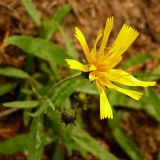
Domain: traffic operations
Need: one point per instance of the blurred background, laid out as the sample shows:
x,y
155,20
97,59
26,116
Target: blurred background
x,y
135,131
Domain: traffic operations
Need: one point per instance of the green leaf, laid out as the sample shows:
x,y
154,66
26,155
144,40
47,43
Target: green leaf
x,y
152,102
40,48
51,25
120,100
137,59
42,108
83,142
14,145
13,72
31,9
155,74
37,139
123,140
58,153
87,87
65,90
70,48
6,88
22,104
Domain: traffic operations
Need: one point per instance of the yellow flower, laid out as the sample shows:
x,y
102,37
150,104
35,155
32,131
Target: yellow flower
x,y
102,61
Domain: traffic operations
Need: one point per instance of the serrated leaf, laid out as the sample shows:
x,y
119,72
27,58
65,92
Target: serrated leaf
x,y
123,140
51,25
137,59
6,88
152,102
13,72
40,48
37,139
31,9
14,144
23,104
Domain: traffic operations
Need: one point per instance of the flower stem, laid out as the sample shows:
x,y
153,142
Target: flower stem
x,y
61,82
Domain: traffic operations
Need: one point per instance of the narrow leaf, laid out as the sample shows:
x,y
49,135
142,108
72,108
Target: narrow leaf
x,y
120,100
6,88
22,104
31,9
87,87
58,153
65,90
123,140
69,46
13,72
14,145
51,25
85,141
137,59
152,102
40,48
42,108
37,137
155,74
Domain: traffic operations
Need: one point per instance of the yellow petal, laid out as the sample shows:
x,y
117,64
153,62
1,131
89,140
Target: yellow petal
x,y
133,94
92,76
73,64
99,85
80,37
122,77
125,38
92,67
97,39
93,54
105,108
107,31
114,61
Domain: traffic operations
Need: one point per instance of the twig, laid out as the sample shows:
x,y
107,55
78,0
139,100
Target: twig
x,y
2,4
5,5
8,111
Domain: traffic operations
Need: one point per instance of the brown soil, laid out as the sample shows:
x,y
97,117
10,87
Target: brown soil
x,y
89,15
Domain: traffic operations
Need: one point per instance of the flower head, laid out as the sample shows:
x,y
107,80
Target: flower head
x,y
101,63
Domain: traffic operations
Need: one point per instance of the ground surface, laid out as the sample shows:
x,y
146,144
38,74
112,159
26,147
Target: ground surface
x,y
89,15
